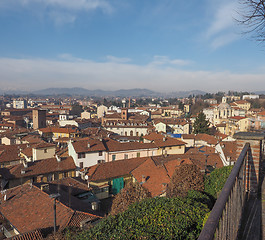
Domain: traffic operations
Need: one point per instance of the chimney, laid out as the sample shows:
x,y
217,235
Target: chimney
x,y
143,179
88,145
25,164
164,187
58,158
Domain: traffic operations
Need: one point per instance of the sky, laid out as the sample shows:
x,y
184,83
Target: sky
x,y
165,46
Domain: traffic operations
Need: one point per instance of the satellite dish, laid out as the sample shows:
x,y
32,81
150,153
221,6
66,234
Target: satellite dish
x,y
86,177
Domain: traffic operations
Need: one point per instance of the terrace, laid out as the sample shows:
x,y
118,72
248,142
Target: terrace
x,y
239,212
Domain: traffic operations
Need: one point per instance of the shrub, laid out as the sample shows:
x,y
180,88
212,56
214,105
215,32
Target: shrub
x,y
153,218
216,180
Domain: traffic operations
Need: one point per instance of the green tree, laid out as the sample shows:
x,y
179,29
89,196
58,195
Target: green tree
x,y
181,106
76,109
201,125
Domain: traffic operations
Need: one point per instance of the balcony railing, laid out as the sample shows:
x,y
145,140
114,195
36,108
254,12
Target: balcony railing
x,y
225,218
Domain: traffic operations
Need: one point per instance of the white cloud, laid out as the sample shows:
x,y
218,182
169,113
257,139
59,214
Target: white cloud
x,y
30,74
117,60
164,60
221,30
60,11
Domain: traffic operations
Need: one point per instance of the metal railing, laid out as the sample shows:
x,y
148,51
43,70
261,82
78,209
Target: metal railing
x,y
225,218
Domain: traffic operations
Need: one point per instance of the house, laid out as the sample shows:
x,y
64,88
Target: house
x,y
243,104
169,145
59,132
201,139
172,125
10,154
155,177
119,151
38,171
38,151
127,127
26,208
87,152
74,193
109,178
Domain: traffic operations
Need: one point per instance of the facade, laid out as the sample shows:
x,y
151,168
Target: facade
x,y
87,152
19,103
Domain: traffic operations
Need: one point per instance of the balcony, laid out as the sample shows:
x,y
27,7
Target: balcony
x,y
239,212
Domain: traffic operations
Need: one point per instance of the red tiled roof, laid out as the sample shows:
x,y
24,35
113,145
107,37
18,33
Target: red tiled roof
x,y
114,146
76,186
188,136
171,165
167,142
229,148
94,145
115,169
241,102
37,168
10,153
206,137
155,176
199,150
58,130
153,136
28,208
237,118
34,235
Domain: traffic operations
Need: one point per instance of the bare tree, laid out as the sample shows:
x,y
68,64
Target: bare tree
x,y
131,193
185,178
253,17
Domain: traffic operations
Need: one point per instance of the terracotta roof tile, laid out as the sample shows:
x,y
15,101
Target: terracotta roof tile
x,y
28,208
37,168
34,235
115,169
88,145
114,146
155,176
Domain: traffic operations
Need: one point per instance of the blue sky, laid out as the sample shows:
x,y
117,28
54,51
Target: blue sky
x,y
160,45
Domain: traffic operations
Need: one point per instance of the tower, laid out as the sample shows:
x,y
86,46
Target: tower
x,y
39,118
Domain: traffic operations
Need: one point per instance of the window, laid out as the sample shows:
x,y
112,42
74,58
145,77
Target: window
x,y
100,153
81,155
81,164
138,154
101,161
125,156
45,150
113,157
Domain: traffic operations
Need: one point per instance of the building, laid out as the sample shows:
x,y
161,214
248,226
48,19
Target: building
x,y
39,118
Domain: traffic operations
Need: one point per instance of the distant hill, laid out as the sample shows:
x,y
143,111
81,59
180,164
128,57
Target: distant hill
x,y
260,92
186,93
136,92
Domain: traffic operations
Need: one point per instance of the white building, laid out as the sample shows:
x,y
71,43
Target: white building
x,y
87,152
